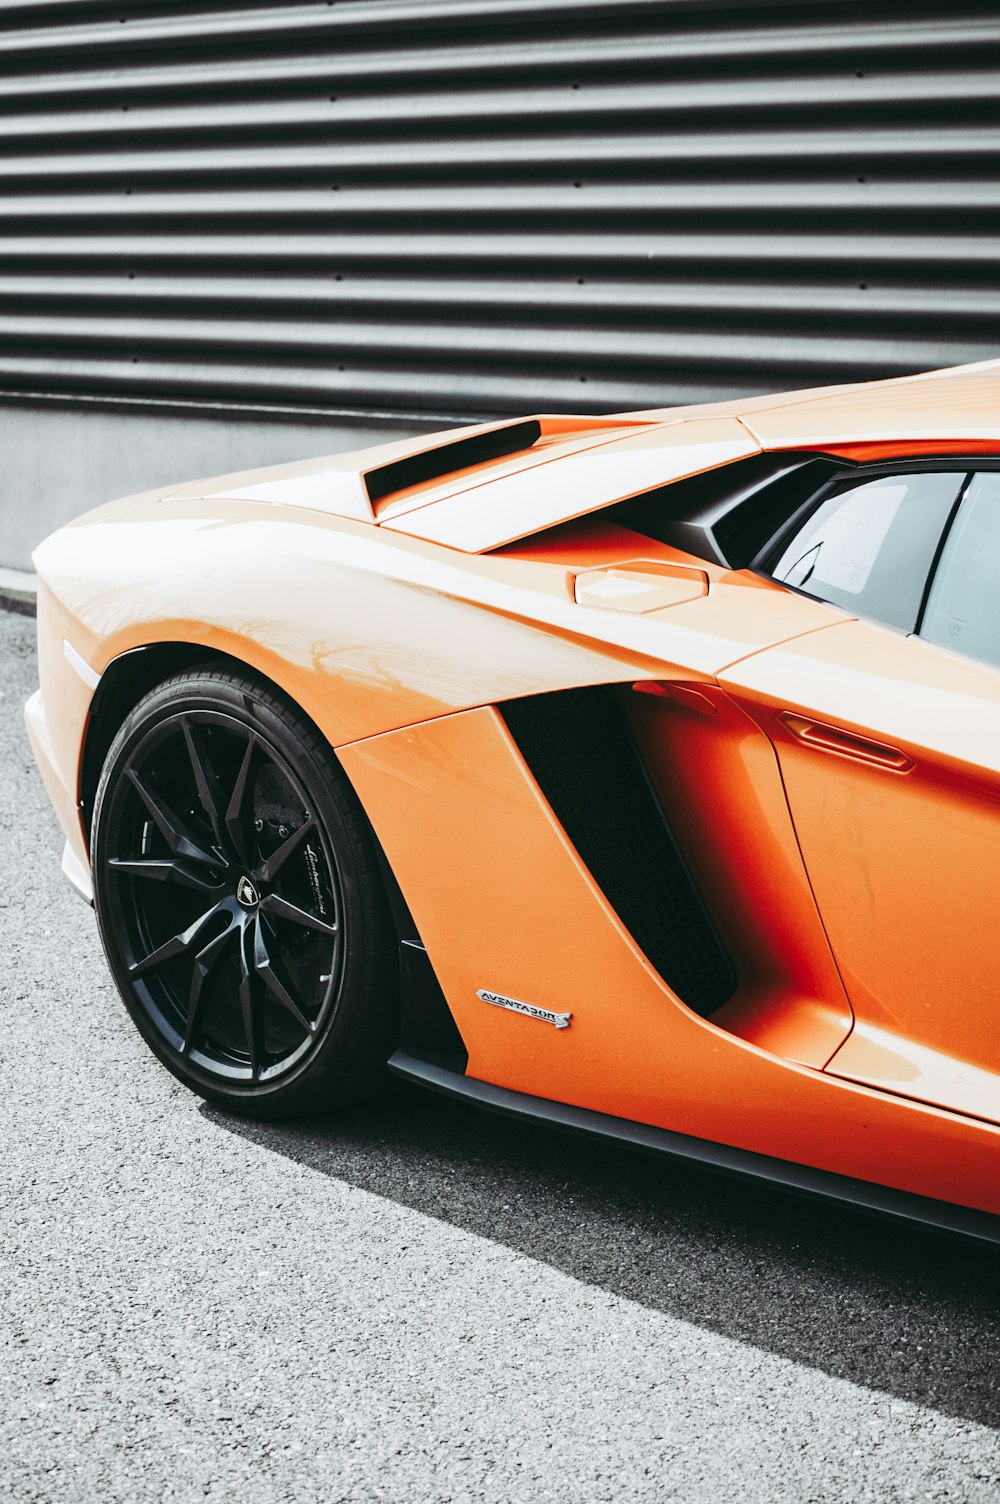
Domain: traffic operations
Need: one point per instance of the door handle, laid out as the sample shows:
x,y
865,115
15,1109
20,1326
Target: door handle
x,y
825,738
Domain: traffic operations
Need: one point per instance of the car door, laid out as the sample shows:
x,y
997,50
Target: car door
x,y
887,732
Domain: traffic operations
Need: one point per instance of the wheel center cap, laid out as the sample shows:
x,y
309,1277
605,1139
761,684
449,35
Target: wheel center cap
x,y
247,894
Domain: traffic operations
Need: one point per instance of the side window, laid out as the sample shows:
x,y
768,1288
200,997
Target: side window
x,y
963,607
870,546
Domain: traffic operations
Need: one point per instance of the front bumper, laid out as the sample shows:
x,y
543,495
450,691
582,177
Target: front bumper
x,y
75,862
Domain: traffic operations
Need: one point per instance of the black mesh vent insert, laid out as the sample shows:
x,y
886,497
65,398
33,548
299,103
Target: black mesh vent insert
x,y
581,752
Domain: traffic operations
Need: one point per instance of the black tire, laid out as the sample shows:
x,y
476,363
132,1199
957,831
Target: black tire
x,y
239,900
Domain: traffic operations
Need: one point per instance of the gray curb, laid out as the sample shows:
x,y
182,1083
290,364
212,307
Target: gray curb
x,y
18,591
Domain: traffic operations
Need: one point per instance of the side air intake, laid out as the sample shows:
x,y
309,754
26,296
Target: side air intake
x,y
494,443
581,753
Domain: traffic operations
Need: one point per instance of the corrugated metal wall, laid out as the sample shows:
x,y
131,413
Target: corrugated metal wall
x,y
468,207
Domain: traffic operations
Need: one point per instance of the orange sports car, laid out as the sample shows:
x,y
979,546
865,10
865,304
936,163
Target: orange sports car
x,y
638,775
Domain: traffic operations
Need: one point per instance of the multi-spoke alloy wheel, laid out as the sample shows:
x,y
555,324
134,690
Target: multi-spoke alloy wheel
x,y
238,898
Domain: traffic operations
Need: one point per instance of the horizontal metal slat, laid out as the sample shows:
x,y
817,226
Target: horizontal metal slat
x,y
534,158
452,343
513,206
203,26
781,249
423,393
549,301
586,54
486,110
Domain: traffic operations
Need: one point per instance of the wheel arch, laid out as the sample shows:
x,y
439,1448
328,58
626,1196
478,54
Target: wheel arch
x,y
131,676
123,684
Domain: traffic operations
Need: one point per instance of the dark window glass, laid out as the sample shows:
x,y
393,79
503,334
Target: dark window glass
x,y
963,607
870,546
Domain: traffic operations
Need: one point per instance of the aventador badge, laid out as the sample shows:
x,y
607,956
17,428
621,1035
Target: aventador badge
x,y
561,1020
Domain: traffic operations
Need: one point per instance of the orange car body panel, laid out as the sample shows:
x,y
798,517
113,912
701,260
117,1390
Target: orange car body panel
x,y
902,849
506,904
399,623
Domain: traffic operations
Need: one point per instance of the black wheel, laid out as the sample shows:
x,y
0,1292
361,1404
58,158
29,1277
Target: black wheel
x,y
239,899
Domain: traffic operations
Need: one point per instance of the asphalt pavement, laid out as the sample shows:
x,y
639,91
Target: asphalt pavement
x,y
419,1302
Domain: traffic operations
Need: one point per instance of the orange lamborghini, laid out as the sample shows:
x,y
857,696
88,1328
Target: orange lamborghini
x,y
638,775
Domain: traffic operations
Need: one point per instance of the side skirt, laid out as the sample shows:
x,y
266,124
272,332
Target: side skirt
x,y
937,1216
